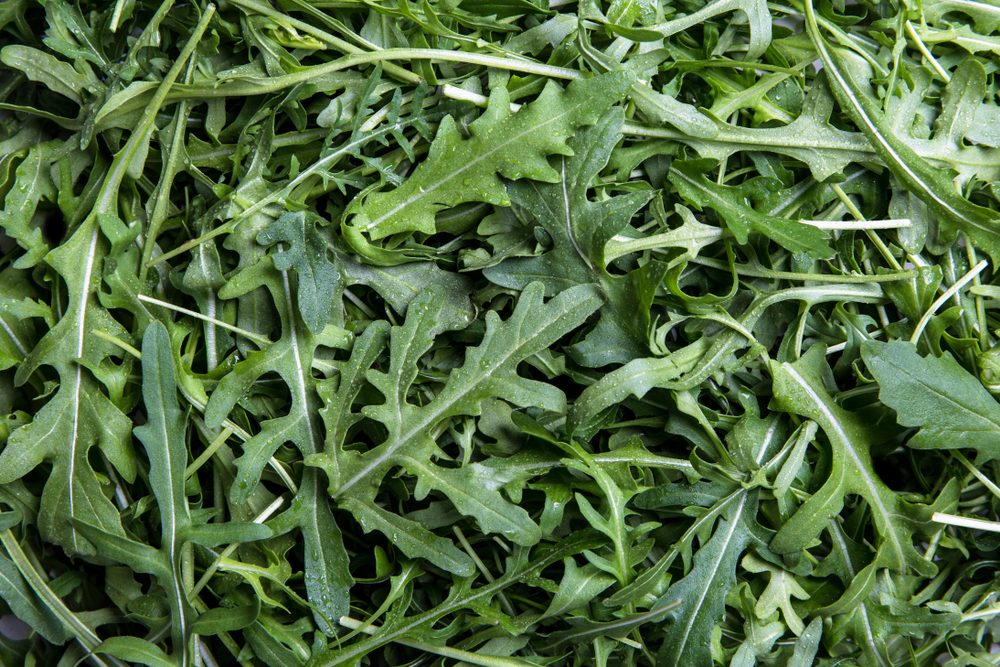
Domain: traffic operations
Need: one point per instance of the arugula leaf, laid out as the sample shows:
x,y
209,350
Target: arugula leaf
x,y
699,599
799,389
929,184
741,218
605,359
489,370
501,143
948,404
307,255
580,230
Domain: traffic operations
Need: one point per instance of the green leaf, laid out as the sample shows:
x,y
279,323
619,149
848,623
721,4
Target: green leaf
x,y
135,650
489,371
57,75
731,205
226,619
756,12
410,537
698,599
163,438
473,496
501,144
306,255
291,357
33,183
781,588
80,414
931,185
20,600
799,388
578,587
580,229
948,404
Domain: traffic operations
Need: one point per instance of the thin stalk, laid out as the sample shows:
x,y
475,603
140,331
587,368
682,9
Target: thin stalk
x,y
444,651
257,338
966,522
760,272
951,291
83,633
225,553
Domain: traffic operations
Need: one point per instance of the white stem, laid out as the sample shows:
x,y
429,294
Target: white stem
x,y
948,293
966,522
257,338
850,225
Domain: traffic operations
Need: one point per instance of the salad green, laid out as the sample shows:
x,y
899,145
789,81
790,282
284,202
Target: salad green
x,y
499,332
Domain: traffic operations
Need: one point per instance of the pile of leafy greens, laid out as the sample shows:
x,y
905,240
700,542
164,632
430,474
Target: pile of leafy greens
x,y
499,332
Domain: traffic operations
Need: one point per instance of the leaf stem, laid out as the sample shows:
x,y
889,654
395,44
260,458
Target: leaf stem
x,y
948,293
257,338
761,272
225,553
966,522
443,651
986,481
104,335
859,224
213,447
87,638
935,65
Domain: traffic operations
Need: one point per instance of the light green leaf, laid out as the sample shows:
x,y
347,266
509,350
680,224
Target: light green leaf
x,y
226,619
489,371
948,404
135,650
291,357
501,144
782,586
799,388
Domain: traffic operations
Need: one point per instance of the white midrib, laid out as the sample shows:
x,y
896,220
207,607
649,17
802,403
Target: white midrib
x,y
300,385
433,415
834,426
81,325
485,155
211,353
13,337
568,215
835,533
169,519
772,431
715,566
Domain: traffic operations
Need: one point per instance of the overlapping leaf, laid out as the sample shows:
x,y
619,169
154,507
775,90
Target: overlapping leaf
x,y
580,229
799,389
502,143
